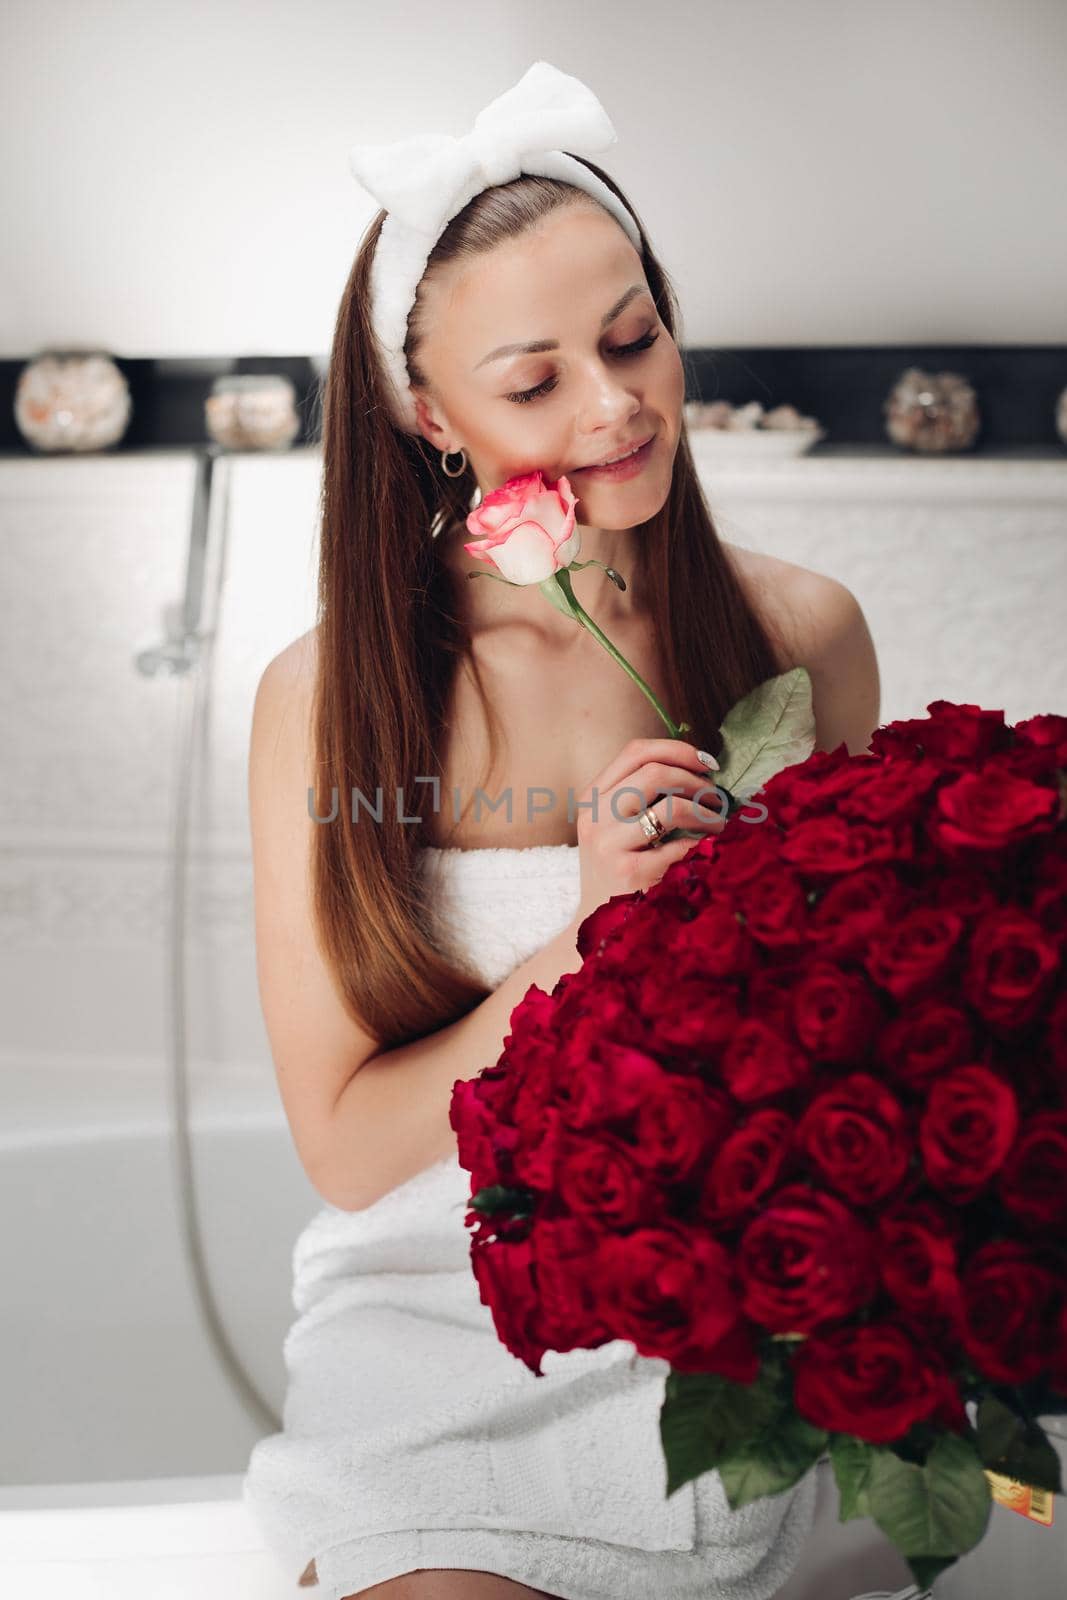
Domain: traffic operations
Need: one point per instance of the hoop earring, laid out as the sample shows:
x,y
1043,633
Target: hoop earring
x,y
444,463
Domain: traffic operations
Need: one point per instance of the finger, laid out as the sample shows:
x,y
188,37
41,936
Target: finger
x,y
678,753
689,814
649,786
674,850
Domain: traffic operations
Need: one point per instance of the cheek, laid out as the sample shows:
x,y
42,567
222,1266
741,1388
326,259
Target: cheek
x,y
672,372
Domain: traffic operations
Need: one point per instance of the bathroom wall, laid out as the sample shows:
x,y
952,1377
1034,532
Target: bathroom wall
x,y
829,172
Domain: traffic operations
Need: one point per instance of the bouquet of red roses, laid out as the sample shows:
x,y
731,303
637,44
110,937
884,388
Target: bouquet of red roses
x,y
798,1125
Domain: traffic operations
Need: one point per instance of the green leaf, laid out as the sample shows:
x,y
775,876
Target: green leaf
x,y
496,1198
851,1461
940,1508
772,1461
773,727
1016,1447
705,1417
748,1432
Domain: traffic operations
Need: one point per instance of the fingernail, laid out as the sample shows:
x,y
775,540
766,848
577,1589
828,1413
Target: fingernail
x,y
707,760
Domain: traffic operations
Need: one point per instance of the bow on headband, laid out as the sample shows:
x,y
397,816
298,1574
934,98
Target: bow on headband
x,y
424,181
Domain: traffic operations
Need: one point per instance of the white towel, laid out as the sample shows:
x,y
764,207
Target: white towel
x,y
405,1412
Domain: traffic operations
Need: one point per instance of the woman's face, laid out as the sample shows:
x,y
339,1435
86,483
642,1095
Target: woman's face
x,y
588,398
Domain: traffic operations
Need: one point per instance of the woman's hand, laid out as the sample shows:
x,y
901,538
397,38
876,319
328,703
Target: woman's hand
x,y
614,854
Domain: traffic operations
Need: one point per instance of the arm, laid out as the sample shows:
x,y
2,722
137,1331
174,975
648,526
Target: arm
x,y
391,1118
362,1119
316,1045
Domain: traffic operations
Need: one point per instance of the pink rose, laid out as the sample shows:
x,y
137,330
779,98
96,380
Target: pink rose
x,y
526,529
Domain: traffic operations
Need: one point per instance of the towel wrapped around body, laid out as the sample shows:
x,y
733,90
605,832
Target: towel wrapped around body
x,y
411,1437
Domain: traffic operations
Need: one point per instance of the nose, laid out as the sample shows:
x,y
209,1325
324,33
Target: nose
x,y
608,400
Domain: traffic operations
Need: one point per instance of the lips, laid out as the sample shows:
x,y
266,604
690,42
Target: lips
x,y
623,450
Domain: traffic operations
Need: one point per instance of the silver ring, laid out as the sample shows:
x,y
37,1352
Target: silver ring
x,y
651,824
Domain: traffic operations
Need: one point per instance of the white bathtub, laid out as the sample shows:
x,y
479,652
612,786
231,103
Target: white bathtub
x,y
122,1444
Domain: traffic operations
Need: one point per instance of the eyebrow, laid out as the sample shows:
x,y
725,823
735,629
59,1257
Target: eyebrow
x,y
553,344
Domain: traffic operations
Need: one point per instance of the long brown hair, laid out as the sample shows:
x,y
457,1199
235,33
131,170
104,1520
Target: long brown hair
x,y
390,640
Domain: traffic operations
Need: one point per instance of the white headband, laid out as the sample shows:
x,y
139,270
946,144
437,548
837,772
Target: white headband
x,y
422,182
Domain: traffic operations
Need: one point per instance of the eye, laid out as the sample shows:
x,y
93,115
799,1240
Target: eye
x,y
634,349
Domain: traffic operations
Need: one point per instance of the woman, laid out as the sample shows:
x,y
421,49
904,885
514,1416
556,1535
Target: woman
x,y
418,1457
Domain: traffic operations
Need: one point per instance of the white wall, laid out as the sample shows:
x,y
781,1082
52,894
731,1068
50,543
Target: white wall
x,y
174,179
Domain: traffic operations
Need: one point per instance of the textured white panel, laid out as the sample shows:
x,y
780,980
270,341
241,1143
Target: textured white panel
x,y
960,566
91,550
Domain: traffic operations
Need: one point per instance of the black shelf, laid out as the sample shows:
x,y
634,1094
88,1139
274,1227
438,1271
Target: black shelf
x,y
843,387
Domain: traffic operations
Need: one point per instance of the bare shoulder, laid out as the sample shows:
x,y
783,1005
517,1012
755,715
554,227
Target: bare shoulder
x,y
297,662
795,603
803,609
816,622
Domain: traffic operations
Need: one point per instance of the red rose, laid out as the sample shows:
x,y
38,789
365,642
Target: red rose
x,y
962,888
1033,1179
605,1084
1045,732
680,895
713,945
746,1166
760,1061
673,1295
853,909
774,909
893,792
804,1260
741,854
875,1381
1050,902
919,1265
1011,968
968,1127
856,1135
1038,763
834,1013
603,925
1057,1034
586,1013
474,1123
924,1041
770,995
1011,1301
697,1018
504,1274
915,952
960,733
562,1297
990,811
534,1069
822,847
534,1150
677,1123
601,1178
816,785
